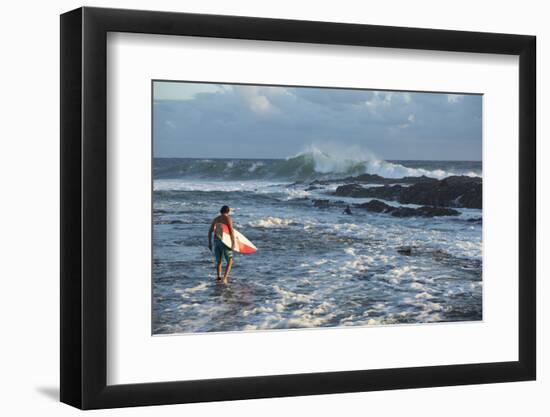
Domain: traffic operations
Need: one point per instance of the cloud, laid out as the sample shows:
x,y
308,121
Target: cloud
x,y
379,99
167,90
255,98
273,122
331,96
454,98
410,119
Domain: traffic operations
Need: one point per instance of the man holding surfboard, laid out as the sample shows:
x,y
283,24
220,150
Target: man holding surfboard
x,y
221,251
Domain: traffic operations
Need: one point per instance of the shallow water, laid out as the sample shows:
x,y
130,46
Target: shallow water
x,y
314,267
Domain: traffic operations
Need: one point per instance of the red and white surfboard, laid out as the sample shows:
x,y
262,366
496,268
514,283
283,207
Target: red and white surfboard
x,y
242,244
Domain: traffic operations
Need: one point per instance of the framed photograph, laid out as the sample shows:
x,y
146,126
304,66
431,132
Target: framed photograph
x,y
257,208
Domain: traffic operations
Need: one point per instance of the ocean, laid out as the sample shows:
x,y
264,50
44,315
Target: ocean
x,y
315,266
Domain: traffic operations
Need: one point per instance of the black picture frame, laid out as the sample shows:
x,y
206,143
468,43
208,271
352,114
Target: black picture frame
x,y
84,207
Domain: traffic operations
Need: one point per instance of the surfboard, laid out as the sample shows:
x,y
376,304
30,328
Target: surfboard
x,y
242,244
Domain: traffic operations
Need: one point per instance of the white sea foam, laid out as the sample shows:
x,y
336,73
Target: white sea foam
x,y
290,296
202,286
257,310
255,166
323,308
346,270
423,295
295,193
272,222
227,186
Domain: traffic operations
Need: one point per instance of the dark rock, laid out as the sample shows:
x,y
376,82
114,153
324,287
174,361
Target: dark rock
x,y
405,250
169,222
424,211
456,191
468,265
375,179
348,190
369,178
352,190
450,192
417,180
321,203
347,210
378,206
405,212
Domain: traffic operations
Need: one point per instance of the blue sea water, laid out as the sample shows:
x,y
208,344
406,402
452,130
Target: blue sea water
x,y
314,267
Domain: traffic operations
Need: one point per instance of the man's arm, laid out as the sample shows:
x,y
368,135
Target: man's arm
x,y
210,234
231,232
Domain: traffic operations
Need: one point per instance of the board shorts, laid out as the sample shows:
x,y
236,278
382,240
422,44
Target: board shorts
x,y
221,251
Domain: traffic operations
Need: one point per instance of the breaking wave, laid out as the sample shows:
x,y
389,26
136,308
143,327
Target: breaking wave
x,y
312,164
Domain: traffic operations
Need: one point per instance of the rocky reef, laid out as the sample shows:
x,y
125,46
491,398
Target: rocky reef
x,y
378,206
454,191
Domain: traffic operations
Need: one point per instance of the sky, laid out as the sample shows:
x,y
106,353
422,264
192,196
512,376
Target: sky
x,y
199,120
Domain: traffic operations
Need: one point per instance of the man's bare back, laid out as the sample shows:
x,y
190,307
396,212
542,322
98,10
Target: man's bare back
x,y
225,219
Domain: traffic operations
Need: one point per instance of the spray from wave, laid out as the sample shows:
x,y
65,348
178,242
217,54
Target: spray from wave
x,y
356,161
312,163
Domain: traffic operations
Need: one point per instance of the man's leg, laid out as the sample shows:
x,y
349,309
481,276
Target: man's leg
x,y
218,254
219,269
227,270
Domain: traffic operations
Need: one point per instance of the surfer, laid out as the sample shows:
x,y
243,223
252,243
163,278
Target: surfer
x,y
347,210
221,251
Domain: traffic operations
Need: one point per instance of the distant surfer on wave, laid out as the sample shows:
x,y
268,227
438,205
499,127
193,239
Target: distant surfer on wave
x,y
221,251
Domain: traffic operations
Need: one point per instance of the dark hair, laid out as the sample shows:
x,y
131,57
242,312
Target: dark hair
x,y
224,210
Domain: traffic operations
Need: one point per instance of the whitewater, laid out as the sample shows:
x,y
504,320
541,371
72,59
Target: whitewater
x,y
314,267
314,164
